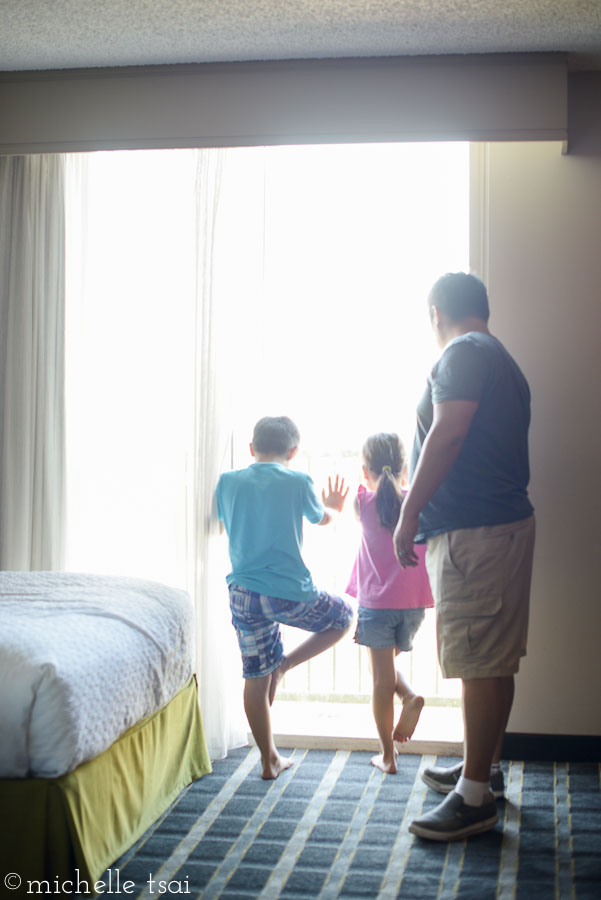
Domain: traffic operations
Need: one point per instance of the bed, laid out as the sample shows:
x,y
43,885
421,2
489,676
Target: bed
x,y
99,722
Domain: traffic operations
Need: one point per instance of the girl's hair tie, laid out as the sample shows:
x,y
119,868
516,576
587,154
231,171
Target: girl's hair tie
x,y
386,469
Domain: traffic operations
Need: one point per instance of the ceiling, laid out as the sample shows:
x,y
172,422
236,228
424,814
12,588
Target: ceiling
x,y
63,34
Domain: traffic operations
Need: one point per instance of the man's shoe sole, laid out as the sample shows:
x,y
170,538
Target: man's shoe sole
x,y
433,835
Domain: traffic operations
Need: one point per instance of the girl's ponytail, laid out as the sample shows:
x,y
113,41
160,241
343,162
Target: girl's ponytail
x,y
388,500
384,455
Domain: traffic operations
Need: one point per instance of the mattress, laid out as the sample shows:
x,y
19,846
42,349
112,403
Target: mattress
x,y
82,659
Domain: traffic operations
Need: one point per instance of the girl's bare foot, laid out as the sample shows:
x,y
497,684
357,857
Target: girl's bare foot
x,y
276,677
388,767
274,767
410,713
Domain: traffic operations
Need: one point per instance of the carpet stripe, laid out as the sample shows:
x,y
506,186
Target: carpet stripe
x,y
251,830
450,876
348,847
204,822
393,877
294,848
510,847
564,864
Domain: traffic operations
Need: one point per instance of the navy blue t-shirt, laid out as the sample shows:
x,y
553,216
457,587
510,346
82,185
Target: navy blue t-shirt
x,y
488,483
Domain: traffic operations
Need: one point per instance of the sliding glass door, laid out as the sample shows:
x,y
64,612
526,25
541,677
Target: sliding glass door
x,y
321,267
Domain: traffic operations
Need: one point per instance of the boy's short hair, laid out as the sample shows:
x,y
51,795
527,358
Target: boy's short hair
x,y
275,434
460,296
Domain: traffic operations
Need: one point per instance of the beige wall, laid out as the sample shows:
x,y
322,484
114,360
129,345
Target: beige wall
x,y
543,247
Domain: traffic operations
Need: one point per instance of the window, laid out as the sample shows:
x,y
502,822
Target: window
x,y
325,258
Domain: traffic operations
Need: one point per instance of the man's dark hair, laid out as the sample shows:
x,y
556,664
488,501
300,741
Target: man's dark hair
x,y
460,296
275,434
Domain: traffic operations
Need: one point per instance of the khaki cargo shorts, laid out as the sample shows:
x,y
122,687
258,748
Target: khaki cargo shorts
x,y
480,579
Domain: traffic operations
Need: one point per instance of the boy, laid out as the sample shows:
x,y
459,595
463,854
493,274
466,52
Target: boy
x,y
262,509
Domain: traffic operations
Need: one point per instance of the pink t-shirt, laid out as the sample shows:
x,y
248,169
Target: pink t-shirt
x,y
377,579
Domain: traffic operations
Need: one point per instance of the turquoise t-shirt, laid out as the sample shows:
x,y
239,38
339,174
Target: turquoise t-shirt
x,y
262,508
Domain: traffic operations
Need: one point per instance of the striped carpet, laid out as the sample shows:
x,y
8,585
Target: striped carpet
x,y
334,826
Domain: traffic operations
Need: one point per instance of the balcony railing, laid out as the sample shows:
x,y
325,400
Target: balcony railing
x,y
342,674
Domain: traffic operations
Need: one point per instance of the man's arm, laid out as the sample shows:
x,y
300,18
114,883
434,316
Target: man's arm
x,y
450,425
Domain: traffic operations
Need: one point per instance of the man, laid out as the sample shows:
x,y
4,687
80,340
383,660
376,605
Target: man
x,y
468,500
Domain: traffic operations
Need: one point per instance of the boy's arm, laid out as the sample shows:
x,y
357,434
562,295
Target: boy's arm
x,y
333,500
216,508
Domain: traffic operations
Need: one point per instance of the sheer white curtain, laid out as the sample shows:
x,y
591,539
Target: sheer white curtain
x,y
130,294
147,391
218,661
32,449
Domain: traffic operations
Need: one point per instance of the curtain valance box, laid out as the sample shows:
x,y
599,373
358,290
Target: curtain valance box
x,y
507,97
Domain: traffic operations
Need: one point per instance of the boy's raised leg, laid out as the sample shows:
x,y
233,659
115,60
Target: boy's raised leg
x,y
256,706
315,644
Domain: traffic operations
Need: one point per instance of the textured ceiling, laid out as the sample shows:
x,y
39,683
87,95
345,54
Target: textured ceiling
x,y
54,34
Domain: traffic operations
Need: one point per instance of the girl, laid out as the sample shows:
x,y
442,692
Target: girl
x,y
392,600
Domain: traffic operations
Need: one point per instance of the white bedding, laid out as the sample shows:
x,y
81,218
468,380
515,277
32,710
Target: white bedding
x,y
83,658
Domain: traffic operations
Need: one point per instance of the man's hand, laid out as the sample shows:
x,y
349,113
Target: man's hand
x,y
403,538
450,424
336,495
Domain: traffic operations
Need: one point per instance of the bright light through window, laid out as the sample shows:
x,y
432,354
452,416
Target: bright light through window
x,y
325,260
354,238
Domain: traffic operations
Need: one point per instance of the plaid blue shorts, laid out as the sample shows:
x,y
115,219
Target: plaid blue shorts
x,y
257,619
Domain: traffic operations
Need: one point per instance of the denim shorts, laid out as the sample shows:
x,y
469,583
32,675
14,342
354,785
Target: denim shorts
x,y
257,619
383,628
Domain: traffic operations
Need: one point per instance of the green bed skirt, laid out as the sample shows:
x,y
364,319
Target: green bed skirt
x,y
50,828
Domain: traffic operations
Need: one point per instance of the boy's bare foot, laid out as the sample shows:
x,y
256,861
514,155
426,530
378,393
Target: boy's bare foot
x,y
276,677
379,763
274,767
410,713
